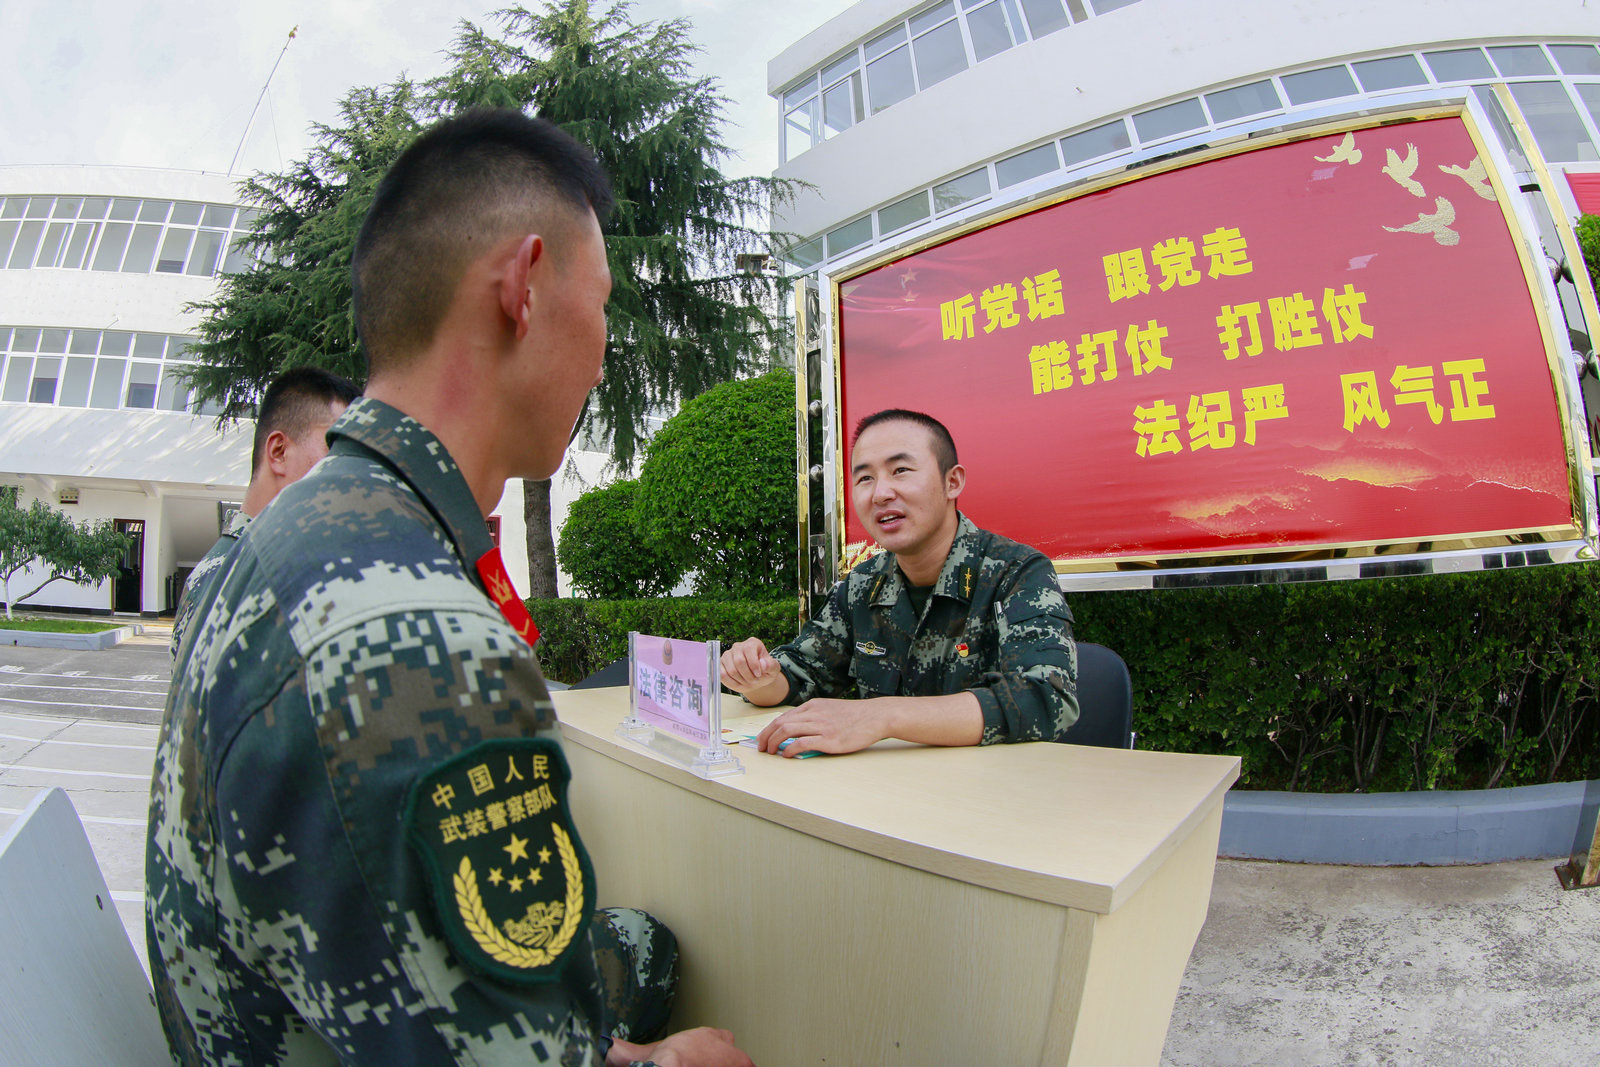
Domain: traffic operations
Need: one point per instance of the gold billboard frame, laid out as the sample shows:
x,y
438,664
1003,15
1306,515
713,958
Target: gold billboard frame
x,y
1580,470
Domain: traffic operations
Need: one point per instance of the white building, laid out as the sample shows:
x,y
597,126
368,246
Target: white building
x,y
97,265
902,115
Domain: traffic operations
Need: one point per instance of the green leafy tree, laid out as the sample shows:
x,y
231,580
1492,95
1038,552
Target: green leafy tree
x,y
683,316
607,554
718,488
1589,241
87,553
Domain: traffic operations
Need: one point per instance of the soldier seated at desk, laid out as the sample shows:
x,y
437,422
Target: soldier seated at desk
x,y
952,636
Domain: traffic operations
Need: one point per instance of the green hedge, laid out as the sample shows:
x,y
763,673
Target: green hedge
x,y
1436,682
578,637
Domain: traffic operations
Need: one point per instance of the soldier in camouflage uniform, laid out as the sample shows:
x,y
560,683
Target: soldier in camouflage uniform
x,y
360,849
953,636
292,423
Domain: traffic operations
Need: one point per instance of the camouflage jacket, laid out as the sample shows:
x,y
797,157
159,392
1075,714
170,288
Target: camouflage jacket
x,y
344,654
204,571
995,625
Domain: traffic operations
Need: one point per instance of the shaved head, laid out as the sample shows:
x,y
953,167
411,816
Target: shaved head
x,y
465,185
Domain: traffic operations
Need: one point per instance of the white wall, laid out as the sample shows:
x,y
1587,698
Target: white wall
x,y
1152,52
93,504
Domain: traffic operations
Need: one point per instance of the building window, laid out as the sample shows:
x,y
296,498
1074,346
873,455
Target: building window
x,y
1310,86
1554,121
1226,105
69,233
850,235
889,78
1094,143
1046,16
903,213
1394,72
842,102
1024,165
962,190
1101,7
1170,120
937,42
1520,60
1458,64
1576,58
46,372
75,382
994,27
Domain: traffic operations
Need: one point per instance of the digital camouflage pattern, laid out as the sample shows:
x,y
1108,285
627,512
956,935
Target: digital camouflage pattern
x,y
204,571
342,653
995,625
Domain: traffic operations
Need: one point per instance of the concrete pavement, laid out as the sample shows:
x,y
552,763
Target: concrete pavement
x,y
1298,965
87,722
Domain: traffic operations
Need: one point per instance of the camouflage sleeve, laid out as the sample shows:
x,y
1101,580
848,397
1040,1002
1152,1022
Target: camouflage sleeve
x,y
1032,692
329,903
817,661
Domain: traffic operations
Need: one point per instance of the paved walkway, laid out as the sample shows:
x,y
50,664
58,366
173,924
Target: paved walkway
x,y
1297,966
87,722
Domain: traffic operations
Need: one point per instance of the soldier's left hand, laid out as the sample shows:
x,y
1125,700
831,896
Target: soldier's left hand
x,y
826,725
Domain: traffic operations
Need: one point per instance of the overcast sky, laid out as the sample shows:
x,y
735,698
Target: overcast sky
x,y
170,83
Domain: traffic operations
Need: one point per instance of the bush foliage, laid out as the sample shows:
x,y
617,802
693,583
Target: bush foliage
x,y
581,636
605,552
1437,682
718,488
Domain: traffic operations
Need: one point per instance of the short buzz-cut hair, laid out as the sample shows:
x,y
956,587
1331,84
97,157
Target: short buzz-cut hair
x,y
467,182
944,446
296,401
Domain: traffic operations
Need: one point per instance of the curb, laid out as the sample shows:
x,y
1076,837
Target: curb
x,y
1403,829
78,642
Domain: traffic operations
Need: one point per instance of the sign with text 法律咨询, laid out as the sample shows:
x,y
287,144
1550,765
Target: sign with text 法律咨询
x,y
1324,343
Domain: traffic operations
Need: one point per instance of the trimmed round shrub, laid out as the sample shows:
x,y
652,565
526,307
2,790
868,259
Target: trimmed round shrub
x,y
718,489
606,554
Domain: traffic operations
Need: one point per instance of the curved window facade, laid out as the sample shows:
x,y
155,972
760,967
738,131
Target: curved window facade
x,y
124,234
78,368
918,52
1556,85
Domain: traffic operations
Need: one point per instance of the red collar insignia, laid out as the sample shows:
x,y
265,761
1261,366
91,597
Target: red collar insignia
x,y
492,569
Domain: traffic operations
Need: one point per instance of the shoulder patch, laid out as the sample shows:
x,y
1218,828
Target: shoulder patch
x,y
511,882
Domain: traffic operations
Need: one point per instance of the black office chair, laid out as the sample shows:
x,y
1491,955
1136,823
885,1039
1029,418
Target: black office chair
x,y
1105,700
613,673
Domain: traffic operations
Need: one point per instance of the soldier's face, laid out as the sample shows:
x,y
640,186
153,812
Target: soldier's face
x,y
897,490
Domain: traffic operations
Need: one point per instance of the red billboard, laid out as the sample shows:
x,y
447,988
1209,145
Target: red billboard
x,y
1323,343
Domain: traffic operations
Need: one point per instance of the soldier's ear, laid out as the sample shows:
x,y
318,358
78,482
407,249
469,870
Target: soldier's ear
x,y
275,454
514,294
955,480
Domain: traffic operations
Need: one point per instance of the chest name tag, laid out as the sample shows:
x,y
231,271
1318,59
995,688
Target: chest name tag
x,y
871,648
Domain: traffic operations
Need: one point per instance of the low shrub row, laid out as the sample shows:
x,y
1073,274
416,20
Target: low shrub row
x,y
1435,682
581,636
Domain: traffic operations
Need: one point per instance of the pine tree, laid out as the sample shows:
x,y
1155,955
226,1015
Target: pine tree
x,y
683,315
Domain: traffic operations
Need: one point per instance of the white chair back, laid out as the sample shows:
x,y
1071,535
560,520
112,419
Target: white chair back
x,y
72,991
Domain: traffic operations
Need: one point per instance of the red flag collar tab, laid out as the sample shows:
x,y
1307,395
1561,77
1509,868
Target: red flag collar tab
x,y
492,569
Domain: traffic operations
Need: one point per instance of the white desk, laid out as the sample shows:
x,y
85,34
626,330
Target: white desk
x,y
1016,904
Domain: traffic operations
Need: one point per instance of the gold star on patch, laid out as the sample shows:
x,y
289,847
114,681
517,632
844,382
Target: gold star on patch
x,y
495,877
518,849
515,884
534,875
544,856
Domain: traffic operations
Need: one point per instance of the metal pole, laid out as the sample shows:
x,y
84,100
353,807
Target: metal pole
x,y
261,96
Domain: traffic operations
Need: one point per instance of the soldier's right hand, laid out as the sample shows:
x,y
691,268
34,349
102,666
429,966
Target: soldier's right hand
x,y
704,1046
748,665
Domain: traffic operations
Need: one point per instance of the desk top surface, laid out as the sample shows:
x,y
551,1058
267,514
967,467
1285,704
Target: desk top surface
x,y
1070,825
